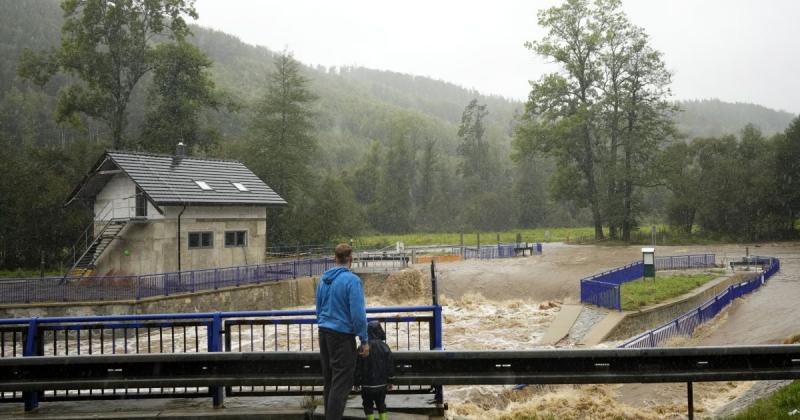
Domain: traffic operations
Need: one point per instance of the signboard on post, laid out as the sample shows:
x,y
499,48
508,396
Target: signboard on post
x,y
649,260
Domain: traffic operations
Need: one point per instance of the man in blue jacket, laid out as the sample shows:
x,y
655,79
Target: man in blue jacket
x,y
341,316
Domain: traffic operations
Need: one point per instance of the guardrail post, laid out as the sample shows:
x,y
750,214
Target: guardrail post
x,y
215,345
690,400
31,398
436,344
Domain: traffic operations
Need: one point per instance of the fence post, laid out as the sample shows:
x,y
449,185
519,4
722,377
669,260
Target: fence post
x,y
138,287
652,339
214,345
238,276
436,344
31,398
191,276
309,267
216,278
166,282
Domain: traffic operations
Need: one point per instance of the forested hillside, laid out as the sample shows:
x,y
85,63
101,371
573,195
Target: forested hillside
x,y
385,151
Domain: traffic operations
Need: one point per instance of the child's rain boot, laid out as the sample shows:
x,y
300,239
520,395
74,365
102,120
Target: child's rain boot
x,y
370,417
383,416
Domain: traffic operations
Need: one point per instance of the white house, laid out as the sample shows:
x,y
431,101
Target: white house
x,y
160,213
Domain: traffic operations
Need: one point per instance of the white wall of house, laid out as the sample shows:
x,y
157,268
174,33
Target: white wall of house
x,y
120,192
116,200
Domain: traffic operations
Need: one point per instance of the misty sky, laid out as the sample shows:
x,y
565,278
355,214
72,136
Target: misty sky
x,y
734,50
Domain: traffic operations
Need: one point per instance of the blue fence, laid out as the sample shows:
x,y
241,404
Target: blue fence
x,y
412,328
603,289
685,324
57,289
500,251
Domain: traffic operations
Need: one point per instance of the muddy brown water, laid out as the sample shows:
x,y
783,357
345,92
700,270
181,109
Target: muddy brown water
x,y
494,305
763,317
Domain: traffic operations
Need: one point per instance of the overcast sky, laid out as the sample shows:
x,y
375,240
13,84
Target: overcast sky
x,y
734,50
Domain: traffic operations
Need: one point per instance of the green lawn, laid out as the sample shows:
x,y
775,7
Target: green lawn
x,y
776,406
640,293
470,238
575,235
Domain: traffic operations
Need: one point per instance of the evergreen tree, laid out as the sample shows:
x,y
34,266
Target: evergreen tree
x,y
181,89
282,139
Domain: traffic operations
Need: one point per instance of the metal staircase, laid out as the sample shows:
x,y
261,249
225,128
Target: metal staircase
x,y
96,238
84,266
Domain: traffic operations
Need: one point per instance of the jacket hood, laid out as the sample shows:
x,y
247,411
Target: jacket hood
x,y
331,274
375,331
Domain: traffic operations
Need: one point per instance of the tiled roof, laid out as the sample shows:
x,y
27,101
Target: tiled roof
x,y
169,180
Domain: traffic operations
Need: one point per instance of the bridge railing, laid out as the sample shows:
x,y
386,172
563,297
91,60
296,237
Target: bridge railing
x,y
413,328
96,288
685,324
603,289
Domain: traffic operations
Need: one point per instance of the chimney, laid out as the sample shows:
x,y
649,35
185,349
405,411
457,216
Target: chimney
x,y
180,151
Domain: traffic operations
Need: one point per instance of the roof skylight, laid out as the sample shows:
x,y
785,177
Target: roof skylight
x,y
203,185
239,186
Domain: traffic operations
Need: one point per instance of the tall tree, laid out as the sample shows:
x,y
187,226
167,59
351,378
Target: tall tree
x,y
181,89
108,46
394,192
282,139
473,148
787,170
603,116
566,103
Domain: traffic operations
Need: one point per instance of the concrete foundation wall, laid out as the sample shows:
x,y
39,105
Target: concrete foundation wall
x,y
633,323
152,246
266,296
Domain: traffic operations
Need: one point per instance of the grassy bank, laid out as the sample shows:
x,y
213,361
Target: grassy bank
x,y
779,405
640,293
471,238
574,235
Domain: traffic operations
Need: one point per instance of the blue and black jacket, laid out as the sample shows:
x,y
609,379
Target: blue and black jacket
x,y
377,369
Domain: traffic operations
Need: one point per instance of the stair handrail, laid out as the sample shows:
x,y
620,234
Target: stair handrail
x,y
102,216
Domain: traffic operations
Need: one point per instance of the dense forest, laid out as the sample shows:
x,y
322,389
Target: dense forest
x,y
356,150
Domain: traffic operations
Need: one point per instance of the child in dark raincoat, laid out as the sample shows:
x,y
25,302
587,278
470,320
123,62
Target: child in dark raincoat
x,y
374,373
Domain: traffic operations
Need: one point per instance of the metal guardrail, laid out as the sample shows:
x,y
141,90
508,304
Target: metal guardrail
x,y
603,289
209,370
685,324
94,288
407,328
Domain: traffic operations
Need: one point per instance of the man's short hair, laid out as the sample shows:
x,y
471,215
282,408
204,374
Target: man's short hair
x,y
343,252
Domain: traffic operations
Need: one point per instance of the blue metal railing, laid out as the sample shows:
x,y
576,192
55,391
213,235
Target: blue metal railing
x,y
497,251
685,324
407,328
603,289
76,289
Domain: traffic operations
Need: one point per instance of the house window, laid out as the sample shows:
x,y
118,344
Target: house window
x,y
203,185
239,186
236,238
140,203
201,240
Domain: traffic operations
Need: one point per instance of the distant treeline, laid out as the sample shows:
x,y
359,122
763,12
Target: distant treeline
x,y
353,150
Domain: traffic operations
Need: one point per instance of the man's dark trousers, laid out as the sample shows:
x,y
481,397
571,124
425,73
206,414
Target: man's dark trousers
x,y
338,353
